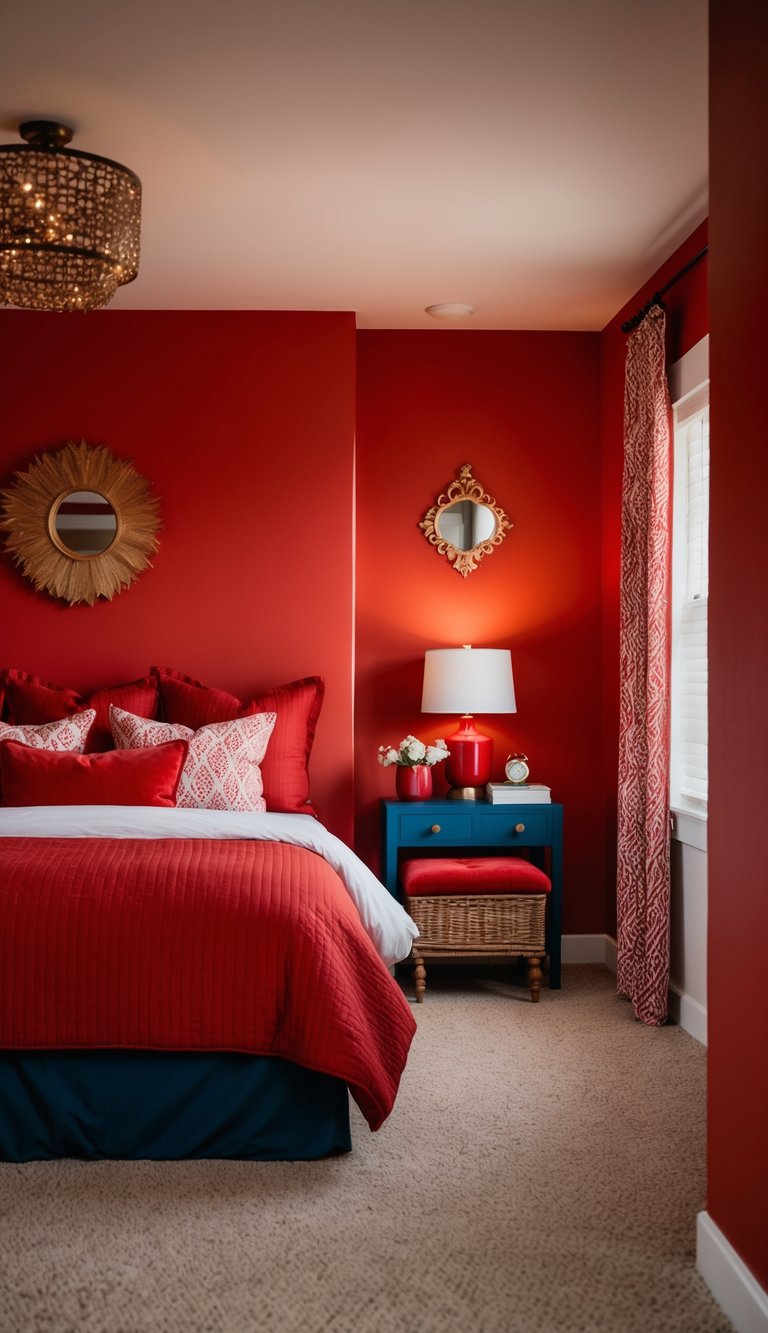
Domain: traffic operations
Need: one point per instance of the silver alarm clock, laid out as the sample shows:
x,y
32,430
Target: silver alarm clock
x,y
516,769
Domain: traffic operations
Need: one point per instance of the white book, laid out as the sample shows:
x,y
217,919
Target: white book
x,y
529,793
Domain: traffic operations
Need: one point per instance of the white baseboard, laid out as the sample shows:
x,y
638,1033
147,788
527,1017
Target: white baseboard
x,y
610,953
686,1011
734,1288
583,948
683,1009
589,949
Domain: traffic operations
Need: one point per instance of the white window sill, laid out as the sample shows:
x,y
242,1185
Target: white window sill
x,y
690,827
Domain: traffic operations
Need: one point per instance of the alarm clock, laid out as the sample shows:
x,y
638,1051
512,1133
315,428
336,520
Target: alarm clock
x,y
516,769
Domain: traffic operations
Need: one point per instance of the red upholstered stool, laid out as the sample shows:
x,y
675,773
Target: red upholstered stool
x,y
466,907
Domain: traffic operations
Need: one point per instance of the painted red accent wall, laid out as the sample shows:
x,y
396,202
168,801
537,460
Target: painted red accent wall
x,y
522,408
244,424
738,644
687,324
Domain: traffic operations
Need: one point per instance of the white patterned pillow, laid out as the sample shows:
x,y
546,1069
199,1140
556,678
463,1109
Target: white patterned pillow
x,y
69,733
221,770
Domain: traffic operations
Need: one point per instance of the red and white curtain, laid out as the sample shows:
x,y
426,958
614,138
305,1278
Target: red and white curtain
x,y
643,808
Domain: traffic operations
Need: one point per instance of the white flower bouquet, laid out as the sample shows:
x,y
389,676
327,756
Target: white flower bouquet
x,y
411,752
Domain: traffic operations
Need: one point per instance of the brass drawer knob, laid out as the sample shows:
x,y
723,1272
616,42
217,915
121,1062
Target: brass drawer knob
x,y
519,828
435,828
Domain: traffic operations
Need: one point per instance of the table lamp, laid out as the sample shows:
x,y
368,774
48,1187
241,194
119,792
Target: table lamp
x,y
468,680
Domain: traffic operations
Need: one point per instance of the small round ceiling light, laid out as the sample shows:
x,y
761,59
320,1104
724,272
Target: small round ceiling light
x,y
69,222
451,310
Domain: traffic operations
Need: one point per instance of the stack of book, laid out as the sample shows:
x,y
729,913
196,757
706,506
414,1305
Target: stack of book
x,y
518,793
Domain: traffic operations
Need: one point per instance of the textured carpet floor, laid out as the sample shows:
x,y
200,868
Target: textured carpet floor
x,y
542,1171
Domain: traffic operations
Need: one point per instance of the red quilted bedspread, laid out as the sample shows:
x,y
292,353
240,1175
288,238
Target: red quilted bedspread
x,y
191,944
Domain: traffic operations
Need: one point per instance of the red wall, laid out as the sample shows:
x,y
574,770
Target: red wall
x,y
244,424
738,645
522,408
687,324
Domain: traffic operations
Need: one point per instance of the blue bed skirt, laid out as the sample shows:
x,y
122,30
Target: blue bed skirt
x,y
167,1105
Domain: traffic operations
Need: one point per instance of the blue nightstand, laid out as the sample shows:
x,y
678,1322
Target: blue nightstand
x,y
424,826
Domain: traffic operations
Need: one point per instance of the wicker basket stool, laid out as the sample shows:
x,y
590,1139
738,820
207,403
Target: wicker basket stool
x,y
467,907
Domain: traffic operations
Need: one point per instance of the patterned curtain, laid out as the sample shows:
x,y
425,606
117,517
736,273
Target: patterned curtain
x,y
643,832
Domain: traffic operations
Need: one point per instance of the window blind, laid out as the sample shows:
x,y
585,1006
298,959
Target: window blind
x,y
689,598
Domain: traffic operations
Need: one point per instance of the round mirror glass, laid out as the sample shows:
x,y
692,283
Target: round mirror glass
x,y
465,524
85,523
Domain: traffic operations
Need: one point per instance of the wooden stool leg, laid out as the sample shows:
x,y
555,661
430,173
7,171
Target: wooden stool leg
x,y
419,977
534,977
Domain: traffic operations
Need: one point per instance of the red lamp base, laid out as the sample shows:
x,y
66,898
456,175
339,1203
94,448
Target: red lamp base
x,y
470,763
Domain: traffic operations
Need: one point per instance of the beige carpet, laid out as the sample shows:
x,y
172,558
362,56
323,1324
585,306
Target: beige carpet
x,y
542,1171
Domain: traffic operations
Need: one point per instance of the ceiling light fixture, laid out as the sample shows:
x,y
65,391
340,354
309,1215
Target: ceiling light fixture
x,y
69,222
450,310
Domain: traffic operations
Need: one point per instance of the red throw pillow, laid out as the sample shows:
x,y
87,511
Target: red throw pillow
x,y
284,766
119,777
29,699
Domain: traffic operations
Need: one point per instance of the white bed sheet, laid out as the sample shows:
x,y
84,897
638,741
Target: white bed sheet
x,y
386,923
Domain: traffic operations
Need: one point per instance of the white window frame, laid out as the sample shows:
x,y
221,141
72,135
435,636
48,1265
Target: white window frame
x,y
689,389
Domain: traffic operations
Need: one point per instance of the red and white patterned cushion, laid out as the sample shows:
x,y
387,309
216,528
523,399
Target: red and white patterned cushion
x,y
221,771
68,733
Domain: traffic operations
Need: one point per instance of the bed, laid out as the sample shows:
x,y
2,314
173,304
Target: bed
x,y
179,981
137,942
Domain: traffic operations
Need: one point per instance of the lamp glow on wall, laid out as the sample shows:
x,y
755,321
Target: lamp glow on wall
x,y
69,222
468,680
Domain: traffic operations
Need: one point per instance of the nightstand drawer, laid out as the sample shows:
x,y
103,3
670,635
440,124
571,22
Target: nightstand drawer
x,y
435,828
526,825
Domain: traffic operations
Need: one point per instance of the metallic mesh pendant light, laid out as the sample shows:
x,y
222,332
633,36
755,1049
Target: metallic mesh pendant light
x,y
69,223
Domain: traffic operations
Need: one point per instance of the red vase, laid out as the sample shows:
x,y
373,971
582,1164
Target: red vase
x,y
413,784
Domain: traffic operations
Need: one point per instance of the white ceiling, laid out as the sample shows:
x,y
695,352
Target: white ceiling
x,y
534,158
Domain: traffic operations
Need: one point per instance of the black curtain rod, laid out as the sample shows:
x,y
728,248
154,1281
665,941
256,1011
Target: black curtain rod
x,y
656,299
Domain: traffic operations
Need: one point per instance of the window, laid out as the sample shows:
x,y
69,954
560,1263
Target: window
x,y
690,586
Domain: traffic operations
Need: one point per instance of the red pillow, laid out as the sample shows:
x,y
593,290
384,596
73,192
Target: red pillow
x,y
29,699
284,766
119,777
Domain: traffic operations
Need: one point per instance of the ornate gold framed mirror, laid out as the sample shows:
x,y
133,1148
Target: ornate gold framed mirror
x,y
466,523
81,523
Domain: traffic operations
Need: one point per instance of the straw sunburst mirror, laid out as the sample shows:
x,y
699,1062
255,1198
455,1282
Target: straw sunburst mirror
x,y
81,523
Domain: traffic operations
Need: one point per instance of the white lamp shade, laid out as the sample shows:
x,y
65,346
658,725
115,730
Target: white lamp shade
x,y
468,680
